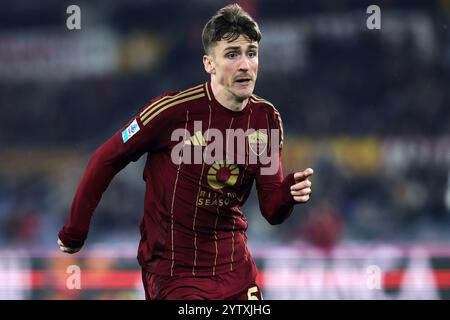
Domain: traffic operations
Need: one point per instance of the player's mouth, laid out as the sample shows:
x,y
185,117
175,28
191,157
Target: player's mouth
x,y
243,81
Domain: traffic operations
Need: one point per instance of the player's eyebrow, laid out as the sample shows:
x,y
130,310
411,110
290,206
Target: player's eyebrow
x,y
252,46
232,48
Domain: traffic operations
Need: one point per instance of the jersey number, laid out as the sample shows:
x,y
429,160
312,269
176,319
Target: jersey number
x,y
251,293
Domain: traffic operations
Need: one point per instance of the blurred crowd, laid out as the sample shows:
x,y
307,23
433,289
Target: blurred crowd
x,y
329,76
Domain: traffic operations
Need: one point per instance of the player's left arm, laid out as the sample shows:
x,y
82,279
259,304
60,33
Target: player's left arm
x,y
278,194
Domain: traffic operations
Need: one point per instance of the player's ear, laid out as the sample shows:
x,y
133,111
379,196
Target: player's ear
x,y
208,63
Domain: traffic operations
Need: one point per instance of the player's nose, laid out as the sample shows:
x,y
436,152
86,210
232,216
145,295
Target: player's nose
x,y
244,64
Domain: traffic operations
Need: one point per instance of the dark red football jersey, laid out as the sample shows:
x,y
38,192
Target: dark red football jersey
x,y
193,223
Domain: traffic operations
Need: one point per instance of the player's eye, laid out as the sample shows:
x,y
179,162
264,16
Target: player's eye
x,y
231,55
252,54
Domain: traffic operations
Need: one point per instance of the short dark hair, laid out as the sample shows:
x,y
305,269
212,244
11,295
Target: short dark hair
x,y
228,24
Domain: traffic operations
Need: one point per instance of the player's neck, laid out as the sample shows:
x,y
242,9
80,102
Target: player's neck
x,y
226,99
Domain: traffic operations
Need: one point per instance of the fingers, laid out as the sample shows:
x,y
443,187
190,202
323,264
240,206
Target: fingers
x,y
301,185
69,250
302,199
302,192
65,249
300,176
302,195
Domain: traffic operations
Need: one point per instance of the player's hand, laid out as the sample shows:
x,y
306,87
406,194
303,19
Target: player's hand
x,y
65,249
301,190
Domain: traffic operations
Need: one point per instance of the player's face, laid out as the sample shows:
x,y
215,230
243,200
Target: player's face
x,y
235,66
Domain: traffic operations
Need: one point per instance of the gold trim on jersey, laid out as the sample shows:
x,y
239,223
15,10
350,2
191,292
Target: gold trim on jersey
x,y
174,102
259,99
207,91
162,104
234,218
232,245
255,99
173,202
169,97
196,202
147,108
245,168
215,241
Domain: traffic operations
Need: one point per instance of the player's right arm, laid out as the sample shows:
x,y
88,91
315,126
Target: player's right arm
x,y
128,144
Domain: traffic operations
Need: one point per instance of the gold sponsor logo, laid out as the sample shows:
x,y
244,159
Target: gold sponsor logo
x,y
222,174
216,199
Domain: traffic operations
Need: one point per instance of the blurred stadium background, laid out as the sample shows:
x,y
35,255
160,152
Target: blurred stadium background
x,y
369,110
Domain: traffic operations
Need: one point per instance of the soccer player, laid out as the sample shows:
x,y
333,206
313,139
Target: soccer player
x,y
193,232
